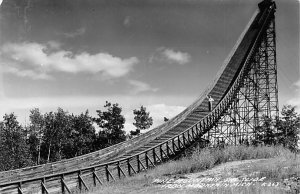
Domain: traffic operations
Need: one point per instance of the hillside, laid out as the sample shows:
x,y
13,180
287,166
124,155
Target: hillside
x,y
274,171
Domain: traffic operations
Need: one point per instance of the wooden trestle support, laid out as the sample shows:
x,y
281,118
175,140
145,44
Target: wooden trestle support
x,y
238,110
256,99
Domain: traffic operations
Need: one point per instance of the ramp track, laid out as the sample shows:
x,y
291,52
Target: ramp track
x,y
155,146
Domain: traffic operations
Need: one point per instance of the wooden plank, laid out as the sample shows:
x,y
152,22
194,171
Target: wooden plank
x,y
95,176
44,188
64,185
81,181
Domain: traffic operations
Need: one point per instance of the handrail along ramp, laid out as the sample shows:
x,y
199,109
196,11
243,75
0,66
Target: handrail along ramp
x,y
155,146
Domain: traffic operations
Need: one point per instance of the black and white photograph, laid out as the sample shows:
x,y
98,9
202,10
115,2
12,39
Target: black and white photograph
x,y
149,96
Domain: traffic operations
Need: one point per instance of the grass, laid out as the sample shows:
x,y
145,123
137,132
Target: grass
x,y
281,166
209,157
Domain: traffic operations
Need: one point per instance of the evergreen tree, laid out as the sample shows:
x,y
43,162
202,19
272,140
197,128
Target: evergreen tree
x,y
289,128
142,120
265,134
111,122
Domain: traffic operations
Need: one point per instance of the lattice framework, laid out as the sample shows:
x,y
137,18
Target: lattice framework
x,y
257,97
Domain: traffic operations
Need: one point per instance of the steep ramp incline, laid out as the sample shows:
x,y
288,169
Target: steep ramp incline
x,y
185,120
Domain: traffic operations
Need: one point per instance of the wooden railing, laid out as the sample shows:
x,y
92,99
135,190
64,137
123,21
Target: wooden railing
x,y
84,178
98,174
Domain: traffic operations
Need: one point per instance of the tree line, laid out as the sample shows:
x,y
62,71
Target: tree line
x,y
58,135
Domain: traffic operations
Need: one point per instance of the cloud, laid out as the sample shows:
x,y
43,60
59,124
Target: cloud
x,y
159,106
38,61
78,32
127,21
28,73
295,101
78,104
176,56
139,87
159,111
171,56
54,45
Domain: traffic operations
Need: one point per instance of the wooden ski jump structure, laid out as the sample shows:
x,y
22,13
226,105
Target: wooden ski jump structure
x,y
244,91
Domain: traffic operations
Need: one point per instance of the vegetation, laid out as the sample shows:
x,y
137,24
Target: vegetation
x,y
285,131
13,147
111,123
57,135
280,166
289,128
142,121
203,159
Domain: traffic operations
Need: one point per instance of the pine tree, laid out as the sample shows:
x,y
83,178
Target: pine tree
x,y
111,122
289,128
265,134
142,120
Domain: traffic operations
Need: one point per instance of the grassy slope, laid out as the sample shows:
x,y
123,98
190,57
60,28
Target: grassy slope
x,y
281,165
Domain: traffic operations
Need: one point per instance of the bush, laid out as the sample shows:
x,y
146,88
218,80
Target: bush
x,y
206,158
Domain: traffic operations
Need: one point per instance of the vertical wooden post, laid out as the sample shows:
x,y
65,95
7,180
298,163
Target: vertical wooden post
x,y
173,145
167,146
146,159
161,153
138,163
20,188
118,167
79,181
154,156
128,167
107,173
94,176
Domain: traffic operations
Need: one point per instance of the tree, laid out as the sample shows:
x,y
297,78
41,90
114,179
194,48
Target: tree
x,y
36,131
266,133
48,135
142,120
81,137
13,148
57,128
288,127
111,122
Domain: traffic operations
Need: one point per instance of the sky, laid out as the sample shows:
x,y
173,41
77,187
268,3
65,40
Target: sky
x,y
77,54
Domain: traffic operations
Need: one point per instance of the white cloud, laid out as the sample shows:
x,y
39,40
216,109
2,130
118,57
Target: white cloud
x,y
158,106
78,32
27,73
37,61
54,45
176,56
170,56
295,101
139,87
127,21
159,111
